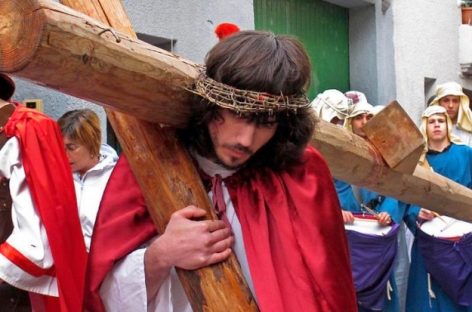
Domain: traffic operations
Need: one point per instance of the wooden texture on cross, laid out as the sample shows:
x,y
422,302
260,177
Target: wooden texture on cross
x,y
78,55
396,137
66,41
356,161
161,165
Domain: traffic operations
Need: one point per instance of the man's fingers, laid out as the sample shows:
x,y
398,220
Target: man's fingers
x,y
215,225
219,235
222,244
191,212
219,256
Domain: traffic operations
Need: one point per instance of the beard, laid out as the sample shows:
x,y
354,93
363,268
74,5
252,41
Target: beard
x,y
234,162
220,162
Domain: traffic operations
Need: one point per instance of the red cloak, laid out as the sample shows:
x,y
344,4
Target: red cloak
x,y
49,178
295,239
292,228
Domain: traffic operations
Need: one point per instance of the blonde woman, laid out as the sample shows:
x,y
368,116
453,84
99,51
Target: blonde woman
x,y
92,163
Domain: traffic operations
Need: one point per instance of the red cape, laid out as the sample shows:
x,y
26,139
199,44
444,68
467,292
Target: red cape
x,y
49,178
295,242
295,239
122,224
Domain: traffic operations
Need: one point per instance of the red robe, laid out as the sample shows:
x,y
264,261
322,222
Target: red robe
x,y
293,235
49,179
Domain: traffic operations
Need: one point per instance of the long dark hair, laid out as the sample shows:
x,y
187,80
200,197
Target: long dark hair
x,y
261,62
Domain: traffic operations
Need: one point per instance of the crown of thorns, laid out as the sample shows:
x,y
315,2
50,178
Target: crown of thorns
x,y
245,101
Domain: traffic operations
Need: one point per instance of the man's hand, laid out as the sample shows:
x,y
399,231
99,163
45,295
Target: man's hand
x,y
348,217
187,244
190,244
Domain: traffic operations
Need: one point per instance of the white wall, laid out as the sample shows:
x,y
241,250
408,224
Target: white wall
x,y
404,52
386,83
191,22
363,52
371,52
426,47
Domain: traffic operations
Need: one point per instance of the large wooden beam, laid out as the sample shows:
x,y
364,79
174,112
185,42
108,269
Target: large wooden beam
x,y
355,160
61,35
55,46
396,137
170,182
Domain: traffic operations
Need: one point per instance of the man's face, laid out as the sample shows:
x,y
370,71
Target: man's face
x,y
236,139
451,103
436,128
358,122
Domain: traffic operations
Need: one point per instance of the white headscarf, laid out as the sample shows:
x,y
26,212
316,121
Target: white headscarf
x,y
331,103
464,117
377,109
361,106
433,110
430,111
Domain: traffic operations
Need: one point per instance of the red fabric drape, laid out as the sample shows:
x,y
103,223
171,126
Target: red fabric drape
x,y
294,238
122,224
49,179
42,303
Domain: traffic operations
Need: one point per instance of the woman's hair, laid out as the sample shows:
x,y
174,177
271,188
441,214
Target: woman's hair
x,y
82,126
262,62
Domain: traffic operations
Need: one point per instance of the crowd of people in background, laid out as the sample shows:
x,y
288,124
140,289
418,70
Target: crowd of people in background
x,y
263,177
384,276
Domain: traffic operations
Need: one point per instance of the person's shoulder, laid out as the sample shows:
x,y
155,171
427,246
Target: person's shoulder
x,y
313,162
312,155
461,147
108,152
468,148
32,115
25,120
462,150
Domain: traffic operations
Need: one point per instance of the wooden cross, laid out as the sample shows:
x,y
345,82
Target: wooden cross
x,y
78,55
161,164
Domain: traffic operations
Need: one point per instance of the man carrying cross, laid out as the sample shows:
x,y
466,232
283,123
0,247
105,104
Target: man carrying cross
x,y
279,212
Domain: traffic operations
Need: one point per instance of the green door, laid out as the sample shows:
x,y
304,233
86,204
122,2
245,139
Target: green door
x,y
323,29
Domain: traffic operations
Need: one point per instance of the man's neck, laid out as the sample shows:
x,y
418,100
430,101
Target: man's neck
x,y
438,146
212,168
